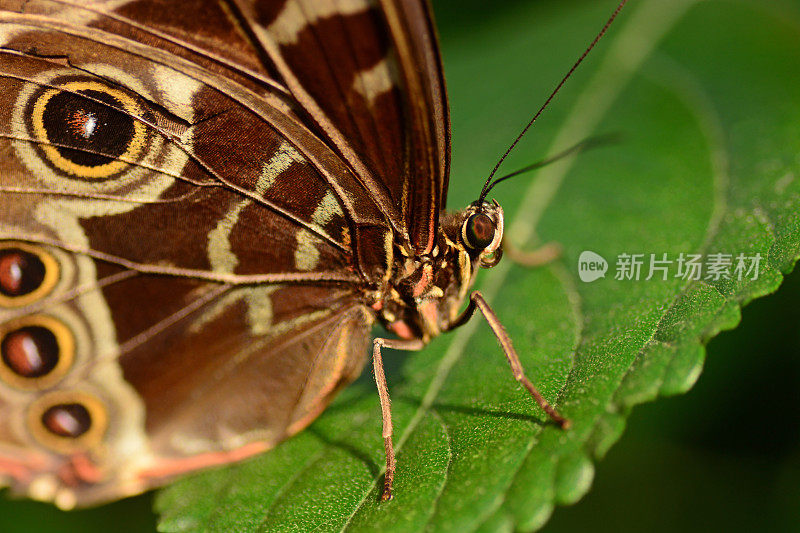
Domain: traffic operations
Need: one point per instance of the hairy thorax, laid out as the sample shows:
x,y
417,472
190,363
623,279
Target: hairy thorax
x,y
426,293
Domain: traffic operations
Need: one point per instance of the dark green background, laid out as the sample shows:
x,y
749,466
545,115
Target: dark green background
x,y
725,455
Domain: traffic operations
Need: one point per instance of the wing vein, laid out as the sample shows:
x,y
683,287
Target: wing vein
x,y
219,277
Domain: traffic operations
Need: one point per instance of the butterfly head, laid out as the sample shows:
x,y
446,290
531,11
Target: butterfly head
x,y
482,232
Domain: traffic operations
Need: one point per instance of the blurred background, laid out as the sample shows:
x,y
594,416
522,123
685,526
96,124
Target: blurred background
x,y
724,456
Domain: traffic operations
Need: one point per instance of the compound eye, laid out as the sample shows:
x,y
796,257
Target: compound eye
x,y
478,231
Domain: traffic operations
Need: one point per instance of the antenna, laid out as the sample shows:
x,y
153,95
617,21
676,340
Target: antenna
x,y
586,144
488,185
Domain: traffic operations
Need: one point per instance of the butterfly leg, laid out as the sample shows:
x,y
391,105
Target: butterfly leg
x,y
477,301
386,404
542,255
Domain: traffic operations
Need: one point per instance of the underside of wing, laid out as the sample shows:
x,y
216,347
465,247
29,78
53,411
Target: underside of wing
x,y
152,378
369,75
365,75
206,32
140,147
183,262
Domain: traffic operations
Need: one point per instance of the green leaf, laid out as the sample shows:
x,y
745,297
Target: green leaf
x,y
706,96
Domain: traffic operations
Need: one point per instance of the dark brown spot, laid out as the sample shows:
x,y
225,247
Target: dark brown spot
x,y
30,351
267,12
21,272
88,128
67,420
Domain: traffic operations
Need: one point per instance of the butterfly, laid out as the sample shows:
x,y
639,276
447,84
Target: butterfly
x,y
205,206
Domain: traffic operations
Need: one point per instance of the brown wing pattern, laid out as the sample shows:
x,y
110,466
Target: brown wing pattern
x,y
180,373
211,36
190,253
369,75
198,159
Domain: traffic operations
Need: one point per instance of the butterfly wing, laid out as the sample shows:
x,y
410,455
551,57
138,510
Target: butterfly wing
x,y
369,75
182,260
